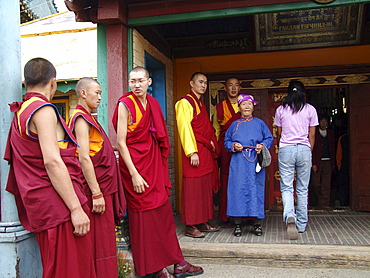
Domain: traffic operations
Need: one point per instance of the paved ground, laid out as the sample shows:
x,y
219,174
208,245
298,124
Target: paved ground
x,y
335,244
243,271
337,227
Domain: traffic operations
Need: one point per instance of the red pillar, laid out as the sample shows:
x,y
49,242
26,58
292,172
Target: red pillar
x,y
114,15
116,68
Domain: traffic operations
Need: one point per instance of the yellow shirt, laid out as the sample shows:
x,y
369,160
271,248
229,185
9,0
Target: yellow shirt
x,y
138,115
184,116
95,137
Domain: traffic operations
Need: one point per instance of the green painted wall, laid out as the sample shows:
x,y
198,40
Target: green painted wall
x,y
103,76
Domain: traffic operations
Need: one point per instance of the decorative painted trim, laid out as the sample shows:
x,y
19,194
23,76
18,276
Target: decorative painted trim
x,y
243,11
274,83
59,32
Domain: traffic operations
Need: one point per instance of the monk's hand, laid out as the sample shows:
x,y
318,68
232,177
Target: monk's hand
x,y
80,222
259,148
98,206
139,183
194,160
213,146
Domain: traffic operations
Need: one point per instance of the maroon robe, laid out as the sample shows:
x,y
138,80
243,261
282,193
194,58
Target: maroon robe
x,y
225,156
152,227
105,165
320,181
200,182
108,177
40,208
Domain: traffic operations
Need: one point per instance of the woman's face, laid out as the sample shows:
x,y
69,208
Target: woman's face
x,y
246,108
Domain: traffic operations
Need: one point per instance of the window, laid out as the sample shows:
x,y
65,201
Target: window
x,y
63,107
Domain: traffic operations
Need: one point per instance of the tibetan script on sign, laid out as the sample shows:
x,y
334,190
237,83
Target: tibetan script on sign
x,y
330,26
242,43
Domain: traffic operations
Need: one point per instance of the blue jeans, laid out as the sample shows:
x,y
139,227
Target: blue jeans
x,y
296,157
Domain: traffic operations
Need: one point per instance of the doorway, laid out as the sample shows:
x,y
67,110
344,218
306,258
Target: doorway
x,y
333,102
157,72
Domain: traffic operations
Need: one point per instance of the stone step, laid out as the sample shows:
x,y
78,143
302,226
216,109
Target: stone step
x,y
278,255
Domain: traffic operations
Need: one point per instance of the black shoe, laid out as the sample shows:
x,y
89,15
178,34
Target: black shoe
x,y
258,230
238,230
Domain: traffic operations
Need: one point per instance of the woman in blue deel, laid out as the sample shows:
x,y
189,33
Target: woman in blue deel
x,y
246,187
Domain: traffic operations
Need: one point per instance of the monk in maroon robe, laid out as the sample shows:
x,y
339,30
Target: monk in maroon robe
x,y
199,165
45,178
227,112
102,181
144,148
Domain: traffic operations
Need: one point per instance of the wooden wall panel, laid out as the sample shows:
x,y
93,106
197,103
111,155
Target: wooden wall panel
x,y
359,132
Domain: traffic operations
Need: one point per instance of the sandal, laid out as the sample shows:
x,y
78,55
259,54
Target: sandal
x,y
258,230
187,270
238,230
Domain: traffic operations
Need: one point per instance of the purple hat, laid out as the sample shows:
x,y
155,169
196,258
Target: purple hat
x,y
242,98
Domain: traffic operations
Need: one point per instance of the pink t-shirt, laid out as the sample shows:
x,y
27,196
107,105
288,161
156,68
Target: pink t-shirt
x,y
295,127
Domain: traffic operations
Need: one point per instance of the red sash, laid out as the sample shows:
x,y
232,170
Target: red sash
x,y
149,148
204,133
39,205
220,116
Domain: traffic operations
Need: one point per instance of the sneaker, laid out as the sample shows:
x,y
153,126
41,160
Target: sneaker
x,y
291,228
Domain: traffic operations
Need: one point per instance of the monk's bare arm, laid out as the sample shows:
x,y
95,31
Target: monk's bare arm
x,y
82,132
44,122
138,181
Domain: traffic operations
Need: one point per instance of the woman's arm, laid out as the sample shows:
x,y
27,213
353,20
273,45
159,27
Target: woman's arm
x,y
278,134
311,136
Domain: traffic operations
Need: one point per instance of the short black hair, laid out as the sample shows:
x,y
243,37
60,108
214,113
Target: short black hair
x,y
38,71
195,74
231,77
324,116
84,83
137,69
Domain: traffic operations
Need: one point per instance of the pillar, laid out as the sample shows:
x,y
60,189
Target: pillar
x,y
18,248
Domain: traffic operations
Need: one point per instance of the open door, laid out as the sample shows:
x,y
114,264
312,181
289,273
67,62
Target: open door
x,y
359,105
